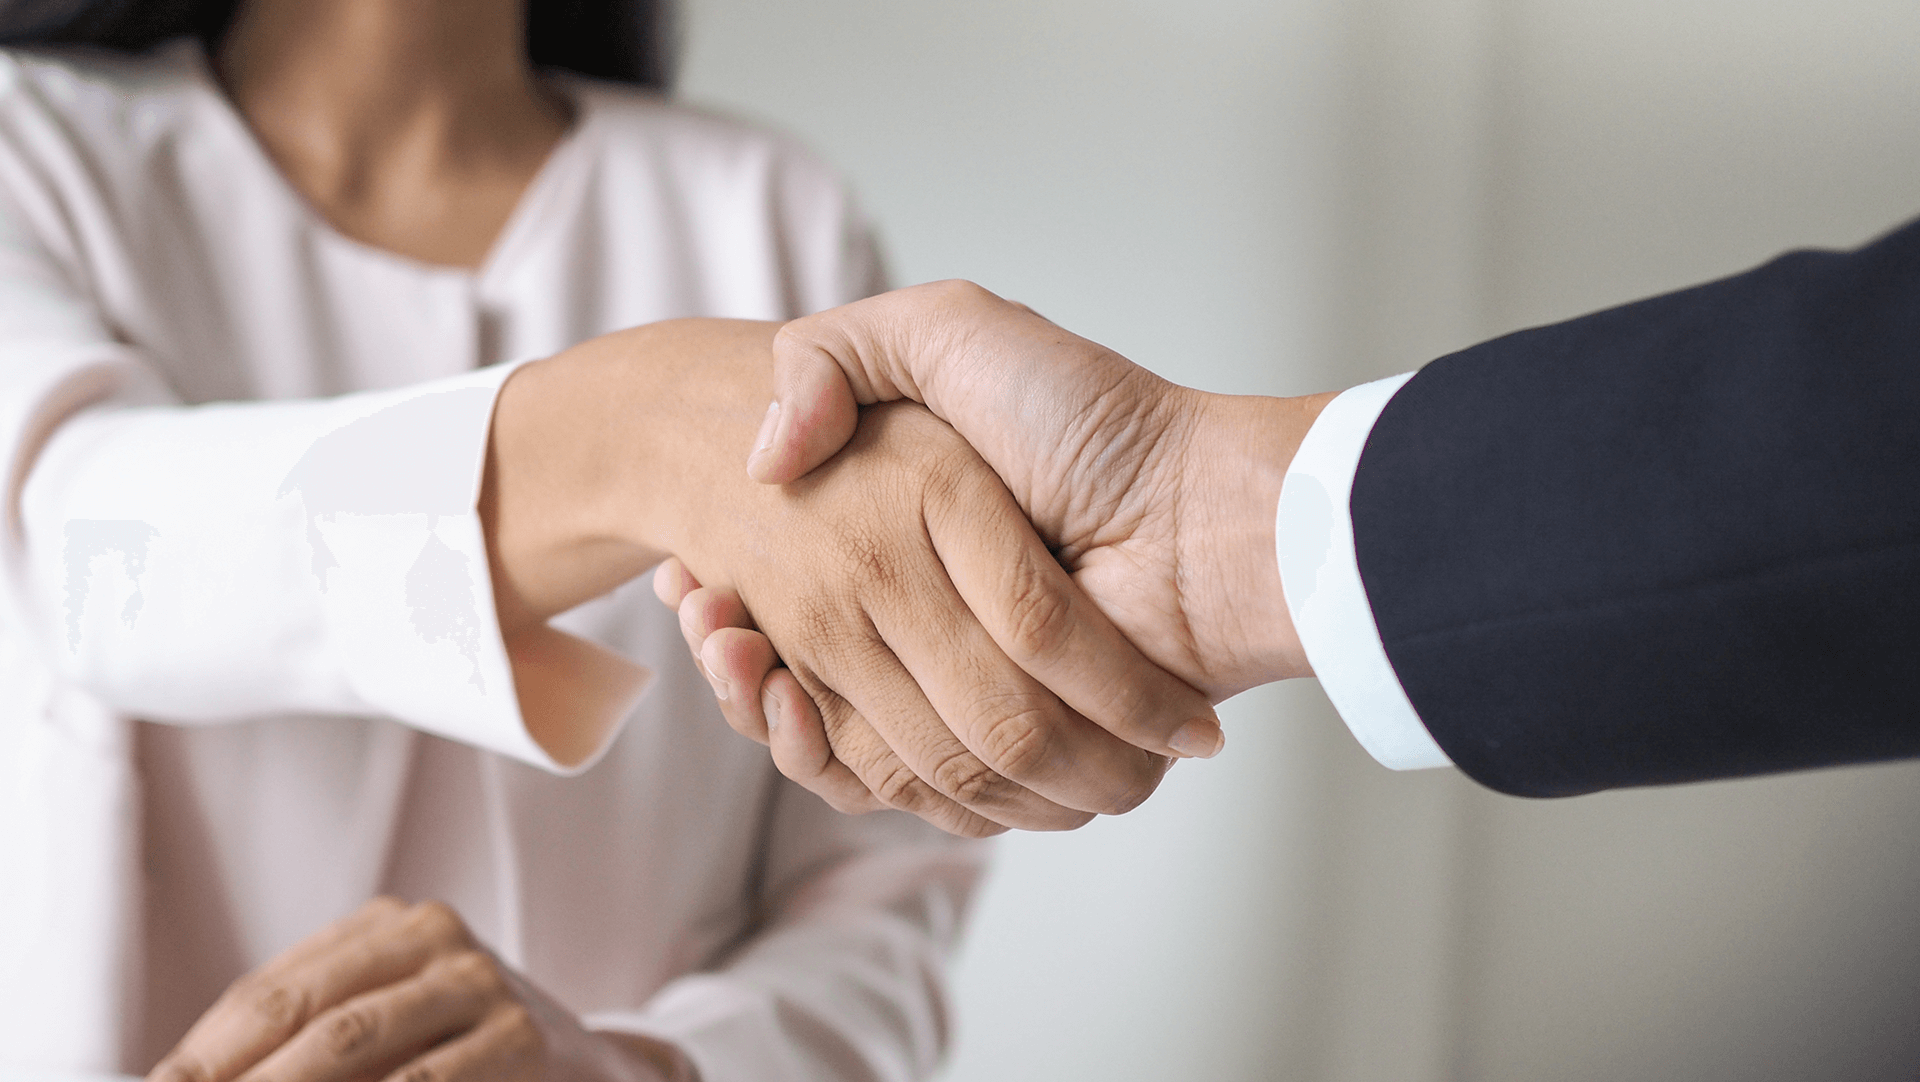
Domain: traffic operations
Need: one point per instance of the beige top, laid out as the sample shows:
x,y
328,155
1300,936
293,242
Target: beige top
x,y
291,592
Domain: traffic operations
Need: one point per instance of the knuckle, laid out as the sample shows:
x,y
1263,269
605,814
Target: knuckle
x,y
971,825
1039,613
438,923
899,787
960,291
419,1071
348,1030
274,1003
795,337
969,782
1018,736
475,970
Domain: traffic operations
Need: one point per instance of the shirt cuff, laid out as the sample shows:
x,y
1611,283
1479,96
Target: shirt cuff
x,y
226,562
1313,533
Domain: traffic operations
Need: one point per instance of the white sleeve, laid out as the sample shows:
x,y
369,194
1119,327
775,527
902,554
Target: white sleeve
x,y
846,980
214,563
1313,532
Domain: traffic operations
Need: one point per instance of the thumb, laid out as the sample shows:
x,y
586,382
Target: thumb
x,y
813,413
903,344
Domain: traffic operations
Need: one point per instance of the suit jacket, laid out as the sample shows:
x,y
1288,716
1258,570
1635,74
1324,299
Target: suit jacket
x,y
1666,542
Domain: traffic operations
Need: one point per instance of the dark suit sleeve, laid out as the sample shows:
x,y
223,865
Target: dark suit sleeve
x,y
1667,542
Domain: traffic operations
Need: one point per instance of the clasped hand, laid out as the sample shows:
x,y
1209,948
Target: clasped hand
x,y
942,659
1156,500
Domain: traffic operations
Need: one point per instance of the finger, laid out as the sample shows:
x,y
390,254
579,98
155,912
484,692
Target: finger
x,y
884,730
672,582
998,740
1004,745
382,943
813,414
697,620
374,1032
907,344
800,749
1034,612
896,668
505,1047
739,659
833,742
217,1047
705,612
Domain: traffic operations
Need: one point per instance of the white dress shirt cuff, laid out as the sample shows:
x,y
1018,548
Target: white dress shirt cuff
x,y
1320,574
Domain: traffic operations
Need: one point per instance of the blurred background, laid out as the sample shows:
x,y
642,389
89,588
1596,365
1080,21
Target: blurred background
x,y
1281,196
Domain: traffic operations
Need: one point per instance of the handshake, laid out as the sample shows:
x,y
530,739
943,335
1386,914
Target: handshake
x,y
1011,604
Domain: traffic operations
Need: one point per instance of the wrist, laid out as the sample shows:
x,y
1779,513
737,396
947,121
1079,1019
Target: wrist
x,y
1239,450
605,458
544,494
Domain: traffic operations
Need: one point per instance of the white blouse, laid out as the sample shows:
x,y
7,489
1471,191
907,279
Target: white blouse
x,y
250,672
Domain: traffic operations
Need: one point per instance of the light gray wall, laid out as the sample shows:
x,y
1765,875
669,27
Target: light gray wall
x,y
1281,195
1760,930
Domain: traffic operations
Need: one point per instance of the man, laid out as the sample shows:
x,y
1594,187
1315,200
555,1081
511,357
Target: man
x,y
1667,542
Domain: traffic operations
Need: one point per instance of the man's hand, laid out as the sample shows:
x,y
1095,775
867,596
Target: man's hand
x,y
960,673
1157,498
401,993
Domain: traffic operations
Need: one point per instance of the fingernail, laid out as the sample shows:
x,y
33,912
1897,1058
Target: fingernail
x,y
770,706
1200,738
721,685
768,427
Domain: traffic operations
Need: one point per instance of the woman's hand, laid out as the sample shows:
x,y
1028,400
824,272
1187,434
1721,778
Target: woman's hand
x,y
403,993
958,671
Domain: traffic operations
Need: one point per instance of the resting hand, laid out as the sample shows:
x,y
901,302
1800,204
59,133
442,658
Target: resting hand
x,y
401,993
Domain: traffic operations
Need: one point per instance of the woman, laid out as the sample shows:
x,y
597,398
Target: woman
x,y
237,638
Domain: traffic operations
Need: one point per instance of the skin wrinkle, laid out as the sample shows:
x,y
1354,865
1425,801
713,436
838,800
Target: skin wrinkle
x,y
998,760
855,746
349,1031
939,485
1106,425
1039,619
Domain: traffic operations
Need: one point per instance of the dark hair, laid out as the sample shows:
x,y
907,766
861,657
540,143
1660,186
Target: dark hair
x,y
628,41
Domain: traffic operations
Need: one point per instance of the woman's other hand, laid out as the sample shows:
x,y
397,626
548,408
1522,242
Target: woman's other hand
x,y
403,993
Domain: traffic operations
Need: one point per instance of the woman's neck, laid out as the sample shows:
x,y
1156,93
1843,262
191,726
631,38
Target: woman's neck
x,y
412,125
